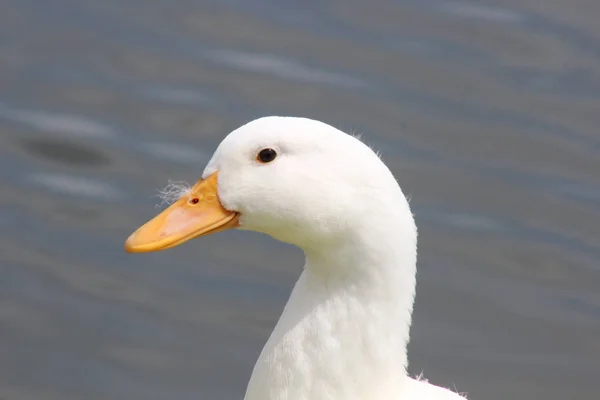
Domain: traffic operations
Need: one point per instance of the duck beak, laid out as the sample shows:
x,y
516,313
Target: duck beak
x,y
196,213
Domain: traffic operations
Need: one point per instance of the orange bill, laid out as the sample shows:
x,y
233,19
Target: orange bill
x,y
196,213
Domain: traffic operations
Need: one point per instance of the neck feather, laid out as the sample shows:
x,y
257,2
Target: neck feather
x,y
344,331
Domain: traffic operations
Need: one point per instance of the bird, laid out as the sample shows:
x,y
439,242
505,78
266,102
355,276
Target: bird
x,y
344,331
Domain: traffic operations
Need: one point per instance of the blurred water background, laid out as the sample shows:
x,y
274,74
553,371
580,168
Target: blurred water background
x,y
486,111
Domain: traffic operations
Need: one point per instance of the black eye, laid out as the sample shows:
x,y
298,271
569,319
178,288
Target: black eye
x,y
266,155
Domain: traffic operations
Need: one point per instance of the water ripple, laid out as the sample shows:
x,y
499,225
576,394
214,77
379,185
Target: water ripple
x,y
282,67
66,124
480,11
175,152
75,185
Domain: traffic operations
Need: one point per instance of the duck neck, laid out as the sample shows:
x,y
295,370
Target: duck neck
x,y
344,331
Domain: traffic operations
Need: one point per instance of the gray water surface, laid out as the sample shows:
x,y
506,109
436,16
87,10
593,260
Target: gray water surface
x,y
487,113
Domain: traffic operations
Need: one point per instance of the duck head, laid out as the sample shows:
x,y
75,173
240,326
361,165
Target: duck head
x,y
298,180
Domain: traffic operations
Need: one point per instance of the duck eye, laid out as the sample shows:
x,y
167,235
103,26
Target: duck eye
x,y
266,155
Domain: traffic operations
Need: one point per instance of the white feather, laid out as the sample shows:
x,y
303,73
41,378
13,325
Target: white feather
x,y
344,331
173,192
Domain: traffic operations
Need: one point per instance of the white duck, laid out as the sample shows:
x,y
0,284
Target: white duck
x,y
344,331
